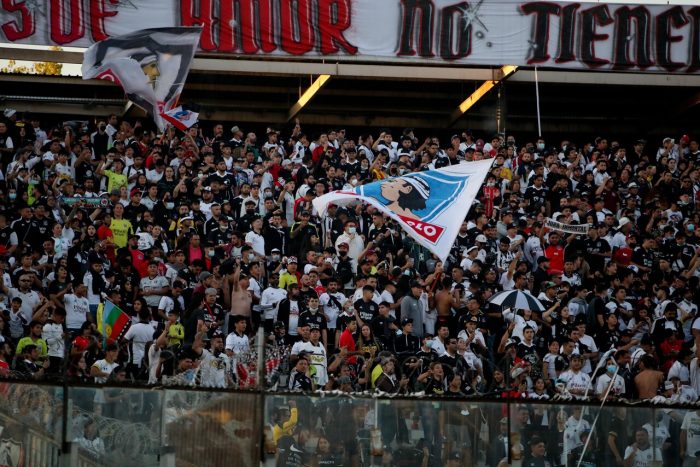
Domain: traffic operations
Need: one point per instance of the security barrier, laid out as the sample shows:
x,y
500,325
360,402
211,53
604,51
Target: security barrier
x,y
82,426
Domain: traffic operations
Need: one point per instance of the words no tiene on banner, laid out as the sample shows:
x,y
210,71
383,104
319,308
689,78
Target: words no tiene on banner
x,y
598,36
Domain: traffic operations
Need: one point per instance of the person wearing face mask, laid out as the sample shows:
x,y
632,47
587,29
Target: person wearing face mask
x,y
221,233
250,214
276,236
539,147
314,317
355,242
610,383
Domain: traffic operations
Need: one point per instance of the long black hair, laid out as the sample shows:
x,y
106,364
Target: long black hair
x,y
414,200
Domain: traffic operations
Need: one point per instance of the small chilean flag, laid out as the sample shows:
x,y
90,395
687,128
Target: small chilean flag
x,y
180,118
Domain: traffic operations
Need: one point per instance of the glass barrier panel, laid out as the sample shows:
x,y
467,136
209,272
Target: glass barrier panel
x,y
115,426
31,424
212,428
343,430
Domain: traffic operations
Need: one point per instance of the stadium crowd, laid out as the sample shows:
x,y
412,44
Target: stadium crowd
x,y
203,237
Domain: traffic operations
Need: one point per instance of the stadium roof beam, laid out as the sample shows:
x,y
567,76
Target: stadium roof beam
x,y
481,91
307,95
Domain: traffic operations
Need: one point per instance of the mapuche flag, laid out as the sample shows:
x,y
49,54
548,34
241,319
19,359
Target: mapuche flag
x,y
112,322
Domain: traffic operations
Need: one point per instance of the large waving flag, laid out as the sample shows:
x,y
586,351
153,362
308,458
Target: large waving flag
x,y
151,65
430,206
112,322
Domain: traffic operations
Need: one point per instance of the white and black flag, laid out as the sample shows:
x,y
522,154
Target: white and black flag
x,y
151,65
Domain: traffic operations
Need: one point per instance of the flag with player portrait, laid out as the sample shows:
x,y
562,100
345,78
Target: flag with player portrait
x,y
151,65
430,206
181,117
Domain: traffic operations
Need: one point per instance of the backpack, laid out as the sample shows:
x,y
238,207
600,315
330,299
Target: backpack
x,y
344,271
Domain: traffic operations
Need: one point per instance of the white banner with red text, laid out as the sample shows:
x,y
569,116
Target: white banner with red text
x,y
597,36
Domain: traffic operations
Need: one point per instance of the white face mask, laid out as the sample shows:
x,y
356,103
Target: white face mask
x,y
275,257
353,182
352,230
251,257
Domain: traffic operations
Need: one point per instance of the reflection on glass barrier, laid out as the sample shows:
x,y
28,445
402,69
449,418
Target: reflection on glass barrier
x,y
212,429
410,432
116,426
300,430
590,436
31,422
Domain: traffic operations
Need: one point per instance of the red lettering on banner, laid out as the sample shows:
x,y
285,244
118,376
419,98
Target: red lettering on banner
x,y
267,26
430,232
297,33
227,35
75,27
14,30
204,18
98,13
250,26
247,22
331,26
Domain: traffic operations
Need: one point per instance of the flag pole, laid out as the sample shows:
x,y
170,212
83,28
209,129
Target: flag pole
x,y
605,399
537,98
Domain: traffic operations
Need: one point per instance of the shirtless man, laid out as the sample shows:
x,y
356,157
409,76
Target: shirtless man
x,y
241,298
649,378
444,302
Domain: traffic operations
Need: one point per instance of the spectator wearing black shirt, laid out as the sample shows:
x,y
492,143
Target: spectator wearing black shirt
x,y
313,317
365,307
299,379
384,325
406,342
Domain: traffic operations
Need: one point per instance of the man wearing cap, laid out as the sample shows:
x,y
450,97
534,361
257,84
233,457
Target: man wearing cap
x,y
290,275
215,365
113,169
406,341
301,233
315,351
209,316
332,301
412,307
313,317
351,237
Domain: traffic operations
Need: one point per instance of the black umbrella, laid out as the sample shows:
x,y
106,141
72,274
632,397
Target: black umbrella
x,y
517,299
